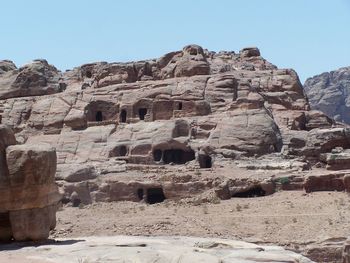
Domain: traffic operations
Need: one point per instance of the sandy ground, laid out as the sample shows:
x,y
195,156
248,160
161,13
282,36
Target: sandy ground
x,y
284,218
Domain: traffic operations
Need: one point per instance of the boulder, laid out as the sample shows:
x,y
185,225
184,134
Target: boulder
x,y
29,195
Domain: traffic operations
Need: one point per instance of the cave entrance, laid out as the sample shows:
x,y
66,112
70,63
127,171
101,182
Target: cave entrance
x,y
155,195
157,155
76,202
123,116
88,74
179,106
256,191
5,227
122,150
142,113
99,116
205,161
178,156
118,151
140,193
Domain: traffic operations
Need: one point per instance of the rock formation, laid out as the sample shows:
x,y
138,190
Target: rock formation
x,y
29,195
329,92
192,107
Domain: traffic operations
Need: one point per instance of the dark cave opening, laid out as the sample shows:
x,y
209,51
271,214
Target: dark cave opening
x,y
205,161
155,195
179,106
256,191
99,116
123,116
157,155
5,226
142,113
122,150
88,74
5,219
178,156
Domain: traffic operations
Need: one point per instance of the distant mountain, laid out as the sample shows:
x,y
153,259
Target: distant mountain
x,y
329,92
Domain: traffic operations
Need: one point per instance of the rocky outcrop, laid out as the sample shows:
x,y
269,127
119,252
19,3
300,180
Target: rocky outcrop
x,y
36,78
29,195
329,93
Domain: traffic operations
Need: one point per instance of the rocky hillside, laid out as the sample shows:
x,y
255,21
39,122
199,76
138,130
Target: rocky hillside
x,y
192,107
193,126
329,92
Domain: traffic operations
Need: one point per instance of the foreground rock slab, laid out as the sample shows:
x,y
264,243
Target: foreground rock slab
x,y
149,249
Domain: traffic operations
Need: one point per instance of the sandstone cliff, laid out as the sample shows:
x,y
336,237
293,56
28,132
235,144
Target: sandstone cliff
x,y
329,92
192,107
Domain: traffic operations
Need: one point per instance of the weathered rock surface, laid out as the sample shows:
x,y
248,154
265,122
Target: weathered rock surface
x,y
147,249
329,92
29,195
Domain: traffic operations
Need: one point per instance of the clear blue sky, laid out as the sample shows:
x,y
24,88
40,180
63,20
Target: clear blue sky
x,y
311,36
